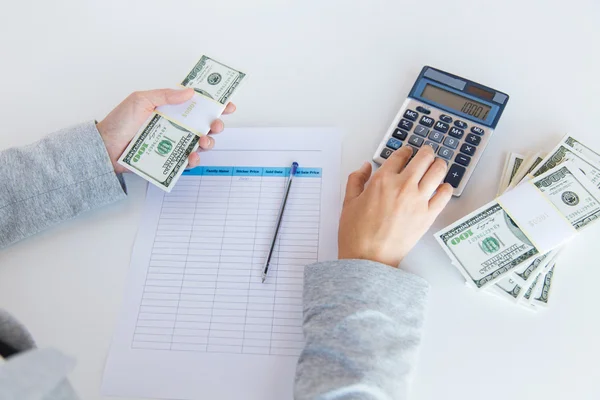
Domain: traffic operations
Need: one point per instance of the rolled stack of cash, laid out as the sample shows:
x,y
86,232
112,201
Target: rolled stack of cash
x,y
496,252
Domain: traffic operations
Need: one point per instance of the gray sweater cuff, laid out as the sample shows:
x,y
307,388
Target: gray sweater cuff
x,y
362,324
54,179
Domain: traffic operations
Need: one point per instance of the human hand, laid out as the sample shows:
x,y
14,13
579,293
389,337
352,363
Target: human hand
x,y
122,123
385,220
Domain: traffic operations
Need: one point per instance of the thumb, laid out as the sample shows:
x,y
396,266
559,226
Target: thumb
x,y
159,97
357,181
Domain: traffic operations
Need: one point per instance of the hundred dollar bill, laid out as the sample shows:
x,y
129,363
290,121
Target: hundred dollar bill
x,y
569,149
513,162
487,244
527,166
541,292
159,152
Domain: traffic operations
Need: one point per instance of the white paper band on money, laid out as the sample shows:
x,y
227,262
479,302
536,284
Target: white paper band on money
x,y
537,217
195,115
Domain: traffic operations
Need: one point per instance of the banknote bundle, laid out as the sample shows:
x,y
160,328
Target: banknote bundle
x,y
510,246
159,151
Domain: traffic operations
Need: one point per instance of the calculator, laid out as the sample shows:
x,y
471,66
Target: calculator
x,y
453,115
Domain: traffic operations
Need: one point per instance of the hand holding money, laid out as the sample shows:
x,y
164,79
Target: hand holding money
x,y
122,123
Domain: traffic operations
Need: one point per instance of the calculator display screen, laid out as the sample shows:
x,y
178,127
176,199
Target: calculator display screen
x,y
456,102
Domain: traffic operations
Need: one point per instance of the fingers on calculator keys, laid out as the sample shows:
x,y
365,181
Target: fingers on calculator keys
x,y
396,161
441,197
420,164
433,177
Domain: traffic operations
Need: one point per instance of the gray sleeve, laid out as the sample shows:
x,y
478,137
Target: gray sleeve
x,y
362,323
54,179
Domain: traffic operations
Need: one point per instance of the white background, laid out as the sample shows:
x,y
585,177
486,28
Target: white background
x,y
348,64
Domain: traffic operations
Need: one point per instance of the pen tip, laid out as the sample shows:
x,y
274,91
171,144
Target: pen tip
x,y
263,279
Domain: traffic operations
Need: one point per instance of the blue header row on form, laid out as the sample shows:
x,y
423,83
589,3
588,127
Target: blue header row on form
x,y
253,171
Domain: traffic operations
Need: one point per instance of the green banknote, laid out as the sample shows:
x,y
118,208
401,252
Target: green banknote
x,y
160,150
487,244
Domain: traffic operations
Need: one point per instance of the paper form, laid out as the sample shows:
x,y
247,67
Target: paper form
x,y
197,323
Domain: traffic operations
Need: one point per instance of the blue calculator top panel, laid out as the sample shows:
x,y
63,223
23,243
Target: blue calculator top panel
x,y
459,96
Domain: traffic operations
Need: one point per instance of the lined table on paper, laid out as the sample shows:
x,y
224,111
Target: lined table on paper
x,y
196,321
203,289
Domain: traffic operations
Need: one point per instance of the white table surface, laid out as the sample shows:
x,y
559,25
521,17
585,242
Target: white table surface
x,y
315,63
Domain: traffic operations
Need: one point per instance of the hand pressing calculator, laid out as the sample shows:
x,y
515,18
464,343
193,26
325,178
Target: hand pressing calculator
x,y
451,114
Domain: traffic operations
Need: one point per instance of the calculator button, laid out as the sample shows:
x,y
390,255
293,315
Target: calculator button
x,y
441,126
427,121
451,142
400,134
423,110
445,153
460,124
436,136
462,159
457,133
446,118
467,149
410,114
386,152
421,130
405,124
414,149
473,139
477,130
416,140
455,174
432,144
394,144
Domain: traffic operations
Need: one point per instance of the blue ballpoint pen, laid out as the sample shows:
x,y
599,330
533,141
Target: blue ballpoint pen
x,y
279,219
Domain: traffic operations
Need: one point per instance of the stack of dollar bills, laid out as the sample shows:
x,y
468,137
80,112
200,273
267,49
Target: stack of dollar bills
x,y
159,151
492,251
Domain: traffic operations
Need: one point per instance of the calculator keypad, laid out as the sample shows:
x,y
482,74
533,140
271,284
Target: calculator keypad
x,y
421,130
441,127
473,139
455,174
432,144
405,124
410,114
394,144
460,124
427,121
386,153
457,133
436,136
451,142
416,140
400,134
467,149
477,130
445,153
444,133
462,159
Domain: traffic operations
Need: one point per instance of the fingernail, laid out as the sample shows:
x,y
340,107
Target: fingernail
x,y
364,166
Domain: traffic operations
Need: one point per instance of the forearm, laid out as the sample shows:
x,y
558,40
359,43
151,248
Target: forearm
x,y
362,323
54,179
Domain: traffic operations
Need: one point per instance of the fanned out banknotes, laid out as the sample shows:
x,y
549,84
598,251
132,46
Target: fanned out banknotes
x,y
159,151
493,252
